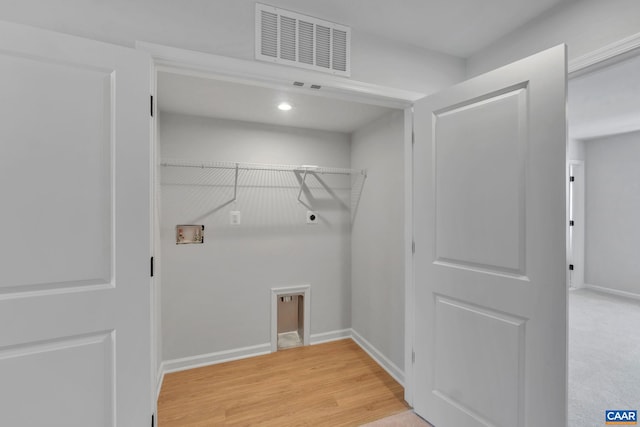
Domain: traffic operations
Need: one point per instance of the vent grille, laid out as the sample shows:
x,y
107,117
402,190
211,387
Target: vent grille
x,y
323,46
302,41
269,26
305,42
339,47
288,38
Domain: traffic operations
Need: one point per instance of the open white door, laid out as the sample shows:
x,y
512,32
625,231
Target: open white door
x,y
75,246
489,214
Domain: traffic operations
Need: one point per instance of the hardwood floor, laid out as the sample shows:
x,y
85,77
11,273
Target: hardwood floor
x,y
332,384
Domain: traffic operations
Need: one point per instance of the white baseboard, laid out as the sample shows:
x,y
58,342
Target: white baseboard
x,y
191,362
182,364
616,292
379,358
160,379
330,336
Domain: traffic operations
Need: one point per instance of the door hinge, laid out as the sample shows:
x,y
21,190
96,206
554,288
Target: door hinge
x,y
413,356
571,267
152,265
413,247
151,108
571,223
413,138
572,178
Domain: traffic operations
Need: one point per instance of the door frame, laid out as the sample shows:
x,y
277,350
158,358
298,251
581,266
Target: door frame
x,y
187,62
615,51
570,209
198,64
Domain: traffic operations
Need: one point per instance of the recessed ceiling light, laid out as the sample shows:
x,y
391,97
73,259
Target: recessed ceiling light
x,y
284,106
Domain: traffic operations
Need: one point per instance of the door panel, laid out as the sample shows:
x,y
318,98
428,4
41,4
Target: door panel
x,y
489,212
74,175
55,375
63,134
494,157
489,388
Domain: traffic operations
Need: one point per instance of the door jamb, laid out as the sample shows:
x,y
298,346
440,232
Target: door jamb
x,y
256,73
570,248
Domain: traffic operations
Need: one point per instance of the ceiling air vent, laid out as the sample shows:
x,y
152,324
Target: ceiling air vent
x,y
302,41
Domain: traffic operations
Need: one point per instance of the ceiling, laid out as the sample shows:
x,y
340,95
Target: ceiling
x,y
460,27
234,101
601,102
456,27
605,101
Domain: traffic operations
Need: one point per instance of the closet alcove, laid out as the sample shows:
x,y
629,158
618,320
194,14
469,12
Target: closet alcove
x,y
299,199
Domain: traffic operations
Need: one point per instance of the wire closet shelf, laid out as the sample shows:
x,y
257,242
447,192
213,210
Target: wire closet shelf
x,y
262,166
358,176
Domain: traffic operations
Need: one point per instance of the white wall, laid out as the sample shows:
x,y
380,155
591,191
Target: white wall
x,y
216,296
225,27
576,150
377,245
392,64
612,212
583,25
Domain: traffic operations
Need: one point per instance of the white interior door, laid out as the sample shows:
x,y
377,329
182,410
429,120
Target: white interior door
x,y
75,246
490,232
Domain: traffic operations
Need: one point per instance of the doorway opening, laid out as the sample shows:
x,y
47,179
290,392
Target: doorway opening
x,y
281,195
604,292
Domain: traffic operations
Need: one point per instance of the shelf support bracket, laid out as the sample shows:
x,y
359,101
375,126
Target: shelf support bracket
x,y
302,184
235,185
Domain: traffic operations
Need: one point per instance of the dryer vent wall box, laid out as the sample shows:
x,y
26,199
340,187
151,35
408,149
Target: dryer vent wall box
x,y
302,41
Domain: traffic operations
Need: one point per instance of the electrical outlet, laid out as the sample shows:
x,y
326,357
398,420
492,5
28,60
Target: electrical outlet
x,y
312,217
234,217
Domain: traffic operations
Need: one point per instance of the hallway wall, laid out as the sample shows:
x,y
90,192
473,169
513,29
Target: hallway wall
x,y
612,210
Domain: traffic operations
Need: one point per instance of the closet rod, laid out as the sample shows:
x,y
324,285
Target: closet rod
x,y
262,166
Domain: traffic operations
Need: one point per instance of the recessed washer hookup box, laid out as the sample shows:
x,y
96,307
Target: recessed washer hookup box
x,y
186,234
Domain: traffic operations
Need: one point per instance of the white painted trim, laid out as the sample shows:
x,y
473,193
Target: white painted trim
x,y
160,380
253,72
379,358
605,53
408,256
156,280
570,250
305,290
325,337
185,363
191,362
616,292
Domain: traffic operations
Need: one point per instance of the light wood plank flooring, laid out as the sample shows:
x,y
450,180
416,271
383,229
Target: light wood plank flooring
x,y
332,384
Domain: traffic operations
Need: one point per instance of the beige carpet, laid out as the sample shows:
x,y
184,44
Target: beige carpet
x,y
403,419
604,355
